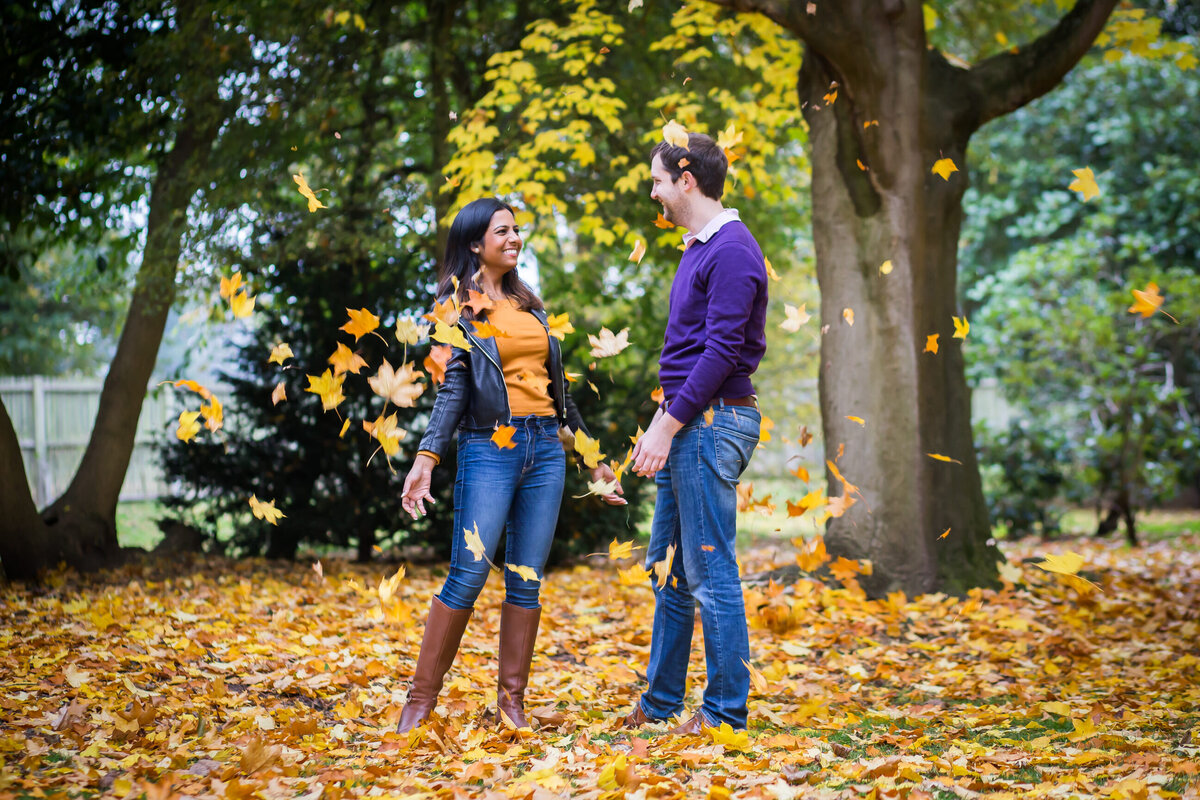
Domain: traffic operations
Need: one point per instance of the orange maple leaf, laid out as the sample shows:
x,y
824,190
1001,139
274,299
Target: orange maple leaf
x,y
663,222
361,323
435,363
502,437
346,360
478,302
1147,301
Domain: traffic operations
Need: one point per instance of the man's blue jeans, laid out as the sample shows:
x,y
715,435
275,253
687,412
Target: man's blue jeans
x,y
696,511
517,490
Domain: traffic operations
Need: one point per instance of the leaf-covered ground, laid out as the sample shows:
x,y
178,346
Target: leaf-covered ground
x,y
243,679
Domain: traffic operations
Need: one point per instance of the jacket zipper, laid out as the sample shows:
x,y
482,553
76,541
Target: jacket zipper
x,y
488,356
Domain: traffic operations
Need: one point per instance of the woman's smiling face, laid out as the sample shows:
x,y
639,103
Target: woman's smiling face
x,y
501,243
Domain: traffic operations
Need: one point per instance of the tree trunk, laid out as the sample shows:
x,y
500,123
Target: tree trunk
x,y
899,107
80,527
24,542
872,363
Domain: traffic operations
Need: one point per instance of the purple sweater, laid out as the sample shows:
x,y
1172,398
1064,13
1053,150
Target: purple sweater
x,y
716,327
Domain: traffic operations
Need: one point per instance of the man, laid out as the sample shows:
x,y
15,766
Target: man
x,y
701,439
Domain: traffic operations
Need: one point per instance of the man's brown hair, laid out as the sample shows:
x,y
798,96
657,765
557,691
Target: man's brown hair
x,y
705,160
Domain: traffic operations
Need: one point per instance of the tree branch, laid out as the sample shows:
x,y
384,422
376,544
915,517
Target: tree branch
x,y
1005,82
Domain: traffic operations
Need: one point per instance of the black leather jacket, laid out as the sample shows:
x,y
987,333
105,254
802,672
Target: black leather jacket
x,y
474,394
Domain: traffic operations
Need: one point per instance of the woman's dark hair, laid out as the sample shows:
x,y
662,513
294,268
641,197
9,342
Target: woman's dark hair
x,y
705,160
468,228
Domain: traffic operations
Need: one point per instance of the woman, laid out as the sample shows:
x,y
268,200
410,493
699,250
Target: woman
x,y
512,379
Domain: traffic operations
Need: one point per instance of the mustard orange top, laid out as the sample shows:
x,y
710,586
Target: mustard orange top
x,y
523,354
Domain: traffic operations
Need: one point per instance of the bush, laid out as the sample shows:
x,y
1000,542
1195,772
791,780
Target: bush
x,y
1024,471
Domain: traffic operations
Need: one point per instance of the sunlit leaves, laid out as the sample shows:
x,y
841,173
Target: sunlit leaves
x,y
607,343
389,586
230,285
328,387
401,387
560,325
675,134
386,431
588,449
242,305
662,569
303,187
265,510
474,543
944,168
502,437
361,323
189,425
451,335
409,332
795,317
1084,183
280,353
346,360
1147,301
961,327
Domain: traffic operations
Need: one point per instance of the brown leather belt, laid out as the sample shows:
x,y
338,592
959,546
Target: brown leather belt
x,y
748,401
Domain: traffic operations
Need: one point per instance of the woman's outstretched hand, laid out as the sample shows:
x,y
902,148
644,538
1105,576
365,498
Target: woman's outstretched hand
x,y
416,486
605,473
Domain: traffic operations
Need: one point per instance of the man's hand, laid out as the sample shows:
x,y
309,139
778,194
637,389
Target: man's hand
x,y
651,451
416,486
604,473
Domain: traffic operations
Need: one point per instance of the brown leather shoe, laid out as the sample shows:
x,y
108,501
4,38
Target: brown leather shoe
x,y
439,645
518,630
693,727
636,718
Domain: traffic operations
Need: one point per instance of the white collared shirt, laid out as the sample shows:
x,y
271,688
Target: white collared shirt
x,y
710,230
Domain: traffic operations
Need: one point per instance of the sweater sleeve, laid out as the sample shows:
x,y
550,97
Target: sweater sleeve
x,y
731,286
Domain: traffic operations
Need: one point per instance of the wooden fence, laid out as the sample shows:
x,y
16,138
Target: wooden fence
x,y
53,418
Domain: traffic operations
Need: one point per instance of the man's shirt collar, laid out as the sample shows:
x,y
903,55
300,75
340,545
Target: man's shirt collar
x,y
710,230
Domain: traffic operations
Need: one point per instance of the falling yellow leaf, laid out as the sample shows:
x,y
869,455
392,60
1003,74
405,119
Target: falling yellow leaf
x,y
474,542
1147,301
401,387
663,222
502,437
329,387
451,335
709,416
1068,563
193,386
675,134
795,317
214,414
526,573
486,330
771,273
859,420
607,343
1084,183
886,267
943,168
242,305
560,325
410,332
445,312
941,457
346,360
945,533
639,250
658,396
361,323
265,510
760,683
386,431
388,586
303,188
961,327
478,302
662,569
346,427
801,473
635,575
280,353
620,550
931,343
230,285
812,553
830,97
188,425
589,449
278,394
765,426
848,315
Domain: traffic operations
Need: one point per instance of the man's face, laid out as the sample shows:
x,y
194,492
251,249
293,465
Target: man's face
x,y
667,192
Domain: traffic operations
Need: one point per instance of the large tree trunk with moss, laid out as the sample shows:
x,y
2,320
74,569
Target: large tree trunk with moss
x,y
80,527
899,108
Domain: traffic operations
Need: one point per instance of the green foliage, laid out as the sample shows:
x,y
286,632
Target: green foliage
x,y
1024,474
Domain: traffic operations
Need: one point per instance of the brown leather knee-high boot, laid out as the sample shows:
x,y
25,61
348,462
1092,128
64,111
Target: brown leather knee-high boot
x,y
518,630
439,645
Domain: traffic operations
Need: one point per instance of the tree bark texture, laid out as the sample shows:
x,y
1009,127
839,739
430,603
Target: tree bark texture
x,y
28,548
899,107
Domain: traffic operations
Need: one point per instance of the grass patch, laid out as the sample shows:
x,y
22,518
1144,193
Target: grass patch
x,y
137,523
